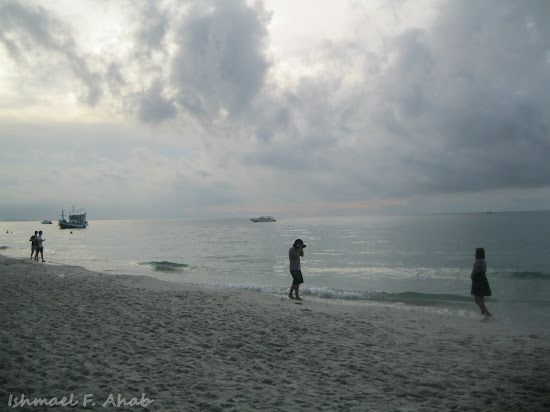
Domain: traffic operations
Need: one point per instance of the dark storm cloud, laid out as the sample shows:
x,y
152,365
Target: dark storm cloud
x,y
221,62
458,107
30,33
468,101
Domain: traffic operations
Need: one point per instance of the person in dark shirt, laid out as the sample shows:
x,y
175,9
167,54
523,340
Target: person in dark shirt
x,y
294,254
33,243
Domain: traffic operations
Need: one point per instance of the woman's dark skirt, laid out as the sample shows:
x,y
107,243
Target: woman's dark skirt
x,y
480,285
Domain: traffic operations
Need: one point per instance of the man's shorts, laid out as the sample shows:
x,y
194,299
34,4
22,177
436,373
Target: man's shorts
x,y
297,277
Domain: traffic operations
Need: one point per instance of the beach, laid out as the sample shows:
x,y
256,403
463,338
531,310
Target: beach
x,y
135,342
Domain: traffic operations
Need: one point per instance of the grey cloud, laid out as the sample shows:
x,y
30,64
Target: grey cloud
x,y
114,78
202,191
154,26
456,108
10,45
154,107
221,62
469,94
92,80
27,30
23,26
461,107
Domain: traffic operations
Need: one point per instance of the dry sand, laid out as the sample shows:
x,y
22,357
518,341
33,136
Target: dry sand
x,y
65,330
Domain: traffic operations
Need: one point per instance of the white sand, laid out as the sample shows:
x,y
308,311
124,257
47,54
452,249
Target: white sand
x,y
65,330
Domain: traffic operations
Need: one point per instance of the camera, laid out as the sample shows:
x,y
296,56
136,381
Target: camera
x,y
299,242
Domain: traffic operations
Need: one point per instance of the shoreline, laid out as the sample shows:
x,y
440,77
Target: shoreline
x,y
67,330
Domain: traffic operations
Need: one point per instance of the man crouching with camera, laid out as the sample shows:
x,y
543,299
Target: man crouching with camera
x,y
294,254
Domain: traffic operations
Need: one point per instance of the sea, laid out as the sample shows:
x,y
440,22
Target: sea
x,y
414,262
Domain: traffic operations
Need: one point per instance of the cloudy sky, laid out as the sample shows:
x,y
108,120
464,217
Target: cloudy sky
x,y
234,108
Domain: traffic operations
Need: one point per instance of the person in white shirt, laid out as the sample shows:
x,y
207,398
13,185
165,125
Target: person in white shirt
x,y
39,247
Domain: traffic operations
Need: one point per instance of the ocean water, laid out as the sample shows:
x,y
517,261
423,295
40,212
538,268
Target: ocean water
x,y
416,262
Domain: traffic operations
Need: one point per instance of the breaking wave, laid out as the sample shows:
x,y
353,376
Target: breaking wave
x,y
530,275
166,266
407,298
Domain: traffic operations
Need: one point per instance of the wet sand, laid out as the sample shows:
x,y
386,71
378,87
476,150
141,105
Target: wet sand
x,y
69,332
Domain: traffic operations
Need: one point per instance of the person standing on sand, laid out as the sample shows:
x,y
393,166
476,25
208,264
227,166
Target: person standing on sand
x,y
39,246
480,284
294,254
33,243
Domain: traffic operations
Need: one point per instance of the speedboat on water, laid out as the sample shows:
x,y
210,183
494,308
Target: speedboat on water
x,y
77,220
263,219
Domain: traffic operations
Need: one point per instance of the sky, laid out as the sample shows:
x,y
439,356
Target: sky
x,y
291,108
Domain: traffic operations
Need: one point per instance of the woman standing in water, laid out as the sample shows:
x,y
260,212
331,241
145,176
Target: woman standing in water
x,y
480,285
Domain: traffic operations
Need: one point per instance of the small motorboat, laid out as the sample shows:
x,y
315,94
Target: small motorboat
x,y
263,219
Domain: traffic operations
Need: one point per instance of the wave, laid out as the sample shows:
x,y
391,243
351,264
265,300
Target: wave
x,y
523,275
408,298
421,299
530,275
166,266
